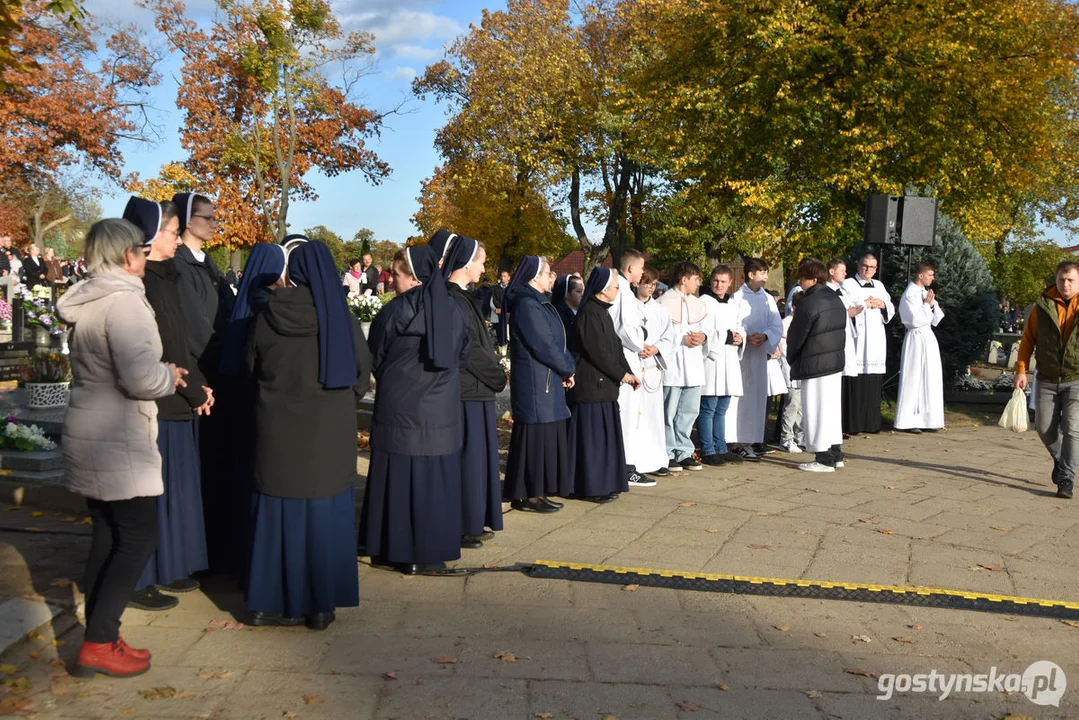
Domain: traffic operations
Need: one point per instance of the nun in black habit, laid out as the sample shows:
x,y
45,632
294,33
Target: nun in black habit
x,y
411,518
181,550
595,428
308,357
565,313
481,486
539,462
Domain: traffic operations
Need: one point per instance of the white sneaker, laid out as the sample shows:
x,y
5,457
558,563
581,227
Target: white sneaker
x,y
791,449
839,464
815,467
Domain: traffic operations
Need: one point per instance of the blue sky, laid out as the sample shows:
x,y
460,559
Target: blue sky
x,y
409,35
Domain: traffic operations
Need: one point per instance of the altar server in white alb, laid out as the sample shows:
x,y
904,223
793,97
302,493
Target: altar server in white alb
x,y
628,320
763,329
722,365
921,378
862,394
815,346
684,375
649,434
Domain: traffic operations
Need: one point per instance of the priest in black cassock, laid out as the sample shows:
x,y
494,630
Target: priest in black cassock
x,y
862,393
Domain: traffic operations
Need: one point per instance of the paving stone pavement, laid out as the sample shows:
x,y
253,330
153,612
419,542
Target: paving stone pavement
x,y
965,509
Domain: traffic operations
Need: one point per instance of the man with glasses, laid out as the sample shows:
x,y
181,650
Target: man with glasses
x,y
862,393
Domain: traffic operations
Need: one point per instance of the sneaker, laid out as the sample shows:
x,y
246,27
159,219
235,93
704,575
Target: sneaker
x,y
839,464
791,448
691,464
715,460
745,452
733,458
638,480
816,467
151,599
183,585
1064,490
763,449
674,467
662,472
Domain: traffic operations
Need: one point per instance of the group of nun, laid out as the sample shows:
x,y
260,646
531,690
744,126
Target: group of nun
x,y
279,365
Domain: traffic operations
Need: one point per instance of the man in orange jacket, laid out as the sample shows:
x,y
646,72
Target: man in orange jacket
x,y
1048,335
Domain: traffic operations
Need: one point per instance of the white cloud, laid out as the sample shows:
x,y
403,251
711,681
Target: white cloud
x,y
399,26
403,73
413,52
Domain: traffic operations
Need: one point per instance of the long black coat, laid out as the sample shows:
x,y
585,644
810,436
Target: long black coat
x,y
817,337
484,376
162,291
601,364
417,407
207,301
305,435
539,357
33,270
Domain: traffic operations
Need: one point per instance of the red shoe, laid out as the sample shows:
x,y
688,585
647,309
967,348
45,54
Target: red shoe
x,y
111,659
134,652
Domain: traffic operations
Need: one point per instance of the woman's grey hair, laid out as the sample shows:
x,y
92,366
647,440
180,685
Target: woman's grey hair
x,y
106,243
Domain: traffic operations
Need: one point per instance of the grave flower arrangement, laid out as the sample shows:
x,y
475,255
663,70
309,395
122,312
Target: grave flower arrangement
x,y
15,435
364,307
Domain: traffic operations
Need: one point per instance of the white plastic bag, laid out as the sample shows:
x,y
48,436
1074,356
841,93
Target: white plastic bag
x,y
1015,413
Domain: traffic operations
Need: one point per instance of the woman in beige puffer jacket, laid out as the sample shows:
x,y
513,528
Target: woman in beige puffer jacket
x,y
109,441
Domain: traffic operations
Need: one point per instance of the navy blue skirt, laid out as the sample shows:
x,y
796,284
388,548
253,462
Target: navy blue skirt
x,y
481,487
303,558
599,456
539,462
412,508
182,547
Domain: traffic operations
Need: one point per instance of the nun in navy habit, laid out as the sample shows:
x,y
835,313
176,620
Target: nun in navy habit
x,y
539,462
595,427
307,355
265,268
558,299
181,550
481,486
411,518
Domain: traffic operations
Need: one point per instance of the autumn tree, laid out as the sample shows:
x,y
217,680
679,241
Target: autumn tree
x,y
269,93
11,18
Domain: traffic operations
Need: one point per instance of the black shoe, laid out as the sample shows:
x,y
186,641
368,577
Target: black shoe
x,y
930,429
320,621
420,568
715,460
553,503
662,472
601,499
254,618
470,542
183,585
913,431
691,464
638,480
733,458
674,467
763,449
1064,490
538,506
485,535
150,599
745,452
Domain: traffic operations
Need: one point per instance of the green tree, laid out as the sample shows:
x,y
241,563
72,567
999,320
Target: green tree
x,y
1025,268
333,241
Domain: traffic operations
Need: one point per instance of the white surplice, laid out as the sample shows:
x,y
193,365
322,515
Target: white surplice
x,y
628,316
746,414
685,366
850,365
870,340
722,361
649,450
921,378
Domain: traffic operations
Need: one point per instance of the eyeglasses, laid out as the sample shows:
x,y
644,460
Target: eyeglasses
x,y
175,233
208,218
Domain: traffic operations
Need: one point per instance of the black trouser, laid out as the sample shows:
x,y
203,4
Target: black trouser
x,y
831,456
125,536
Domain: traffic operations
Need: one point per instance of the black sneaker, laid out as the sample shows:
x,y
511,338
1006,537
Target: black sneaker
x,y
733,458
674,467
183,585
714,460
690,464
151,599
638,480
1064,490
746,453
762,449
662,472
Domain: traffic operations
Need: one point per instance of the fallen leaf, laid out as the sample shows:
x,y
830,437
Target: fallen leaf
x,y
1070,623
57,643
389,675
712,530
67,518
62,583
762,513
185,694
312,699
128,711
86,521
34,655
223,625
821,635
9,669
687,504
991,568
610,717
756,546
907,640
631,588
491,566
506,657
57,674
915,627
214,674
15,704
166,692
861,638
863,673
289,715
57,662
12,508
60,689
688,706
813,694
36,513
1001,529
444,660
886,532
419,682
889,487
19,685
724,688
1013,716
543,715
35,529
781,628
